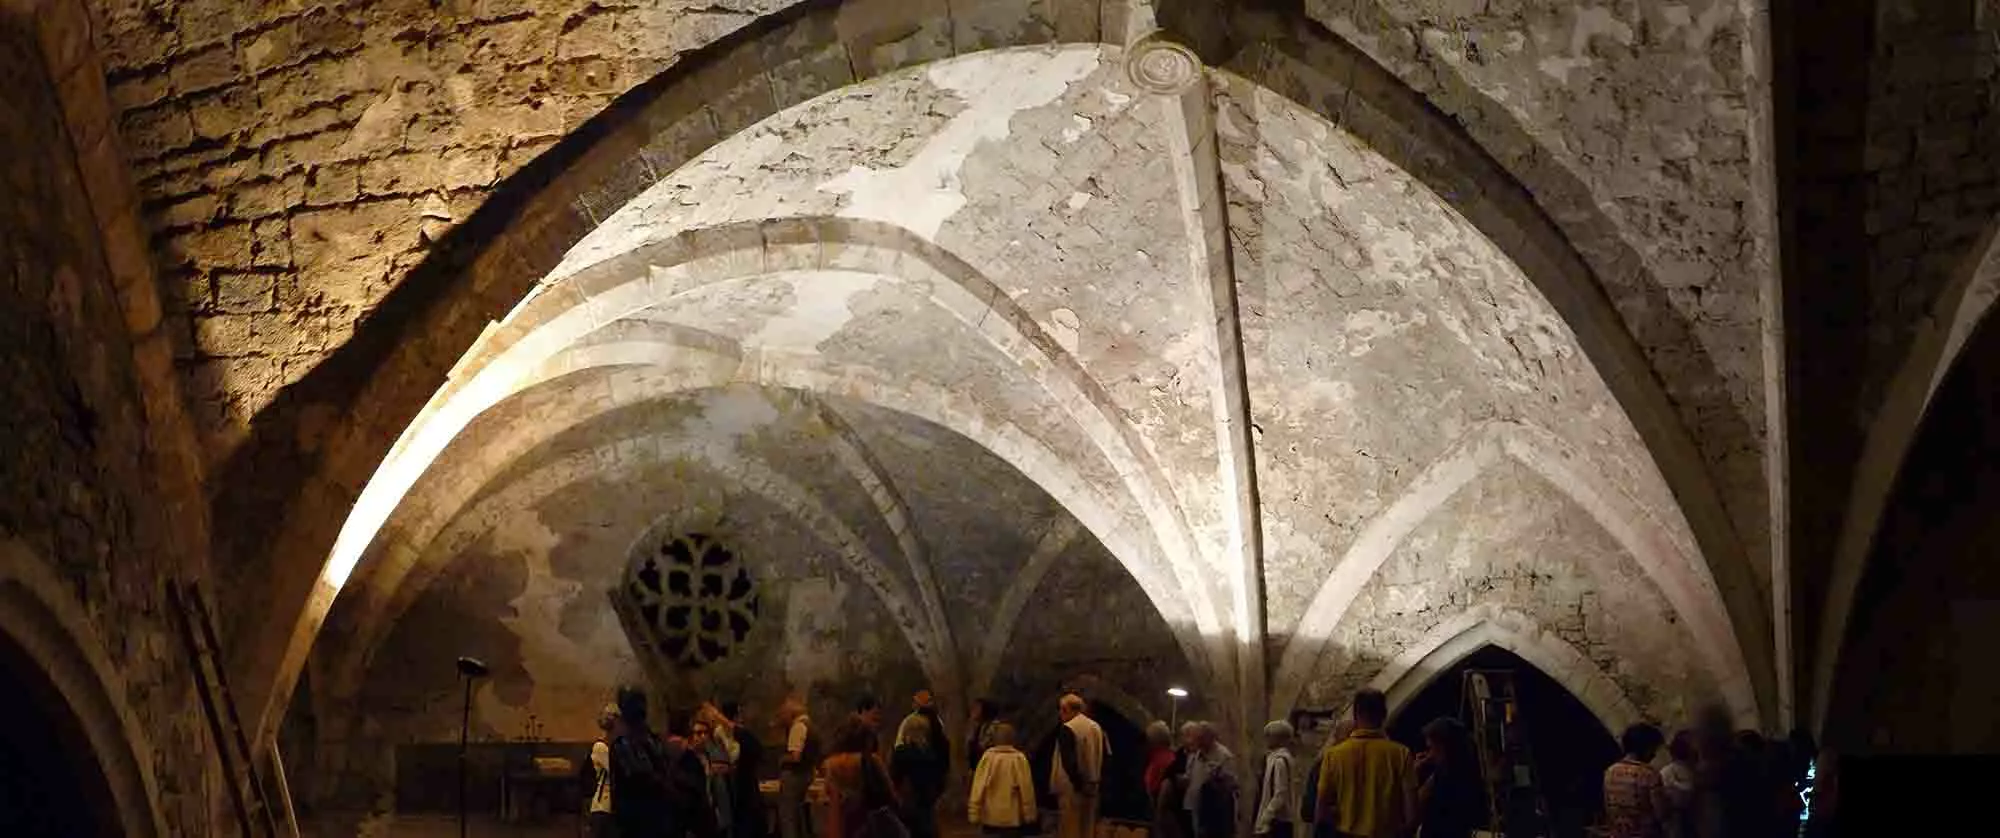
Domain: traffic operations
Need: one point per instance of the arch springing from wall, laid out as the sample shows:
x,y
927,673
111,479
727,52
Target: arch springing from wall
x,y
1684,582
1407,676
38,615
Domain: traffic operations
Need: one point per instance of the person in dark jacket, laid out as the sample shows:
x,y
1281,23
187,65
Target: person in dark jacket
x,y
657,785
940,747
984,715
750,818
913,772
1451,798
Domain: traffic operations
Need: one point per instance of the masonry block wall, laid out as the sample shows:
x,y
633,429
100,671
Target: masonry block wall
x,y
298,158
82,459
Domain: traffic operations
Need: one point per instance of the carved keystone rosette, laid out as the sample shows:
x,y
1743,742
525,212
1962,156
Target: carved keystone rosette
x,y
1157,65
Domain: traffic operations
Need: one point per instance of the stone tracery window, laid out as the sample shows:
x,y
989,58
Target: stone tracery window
x,y
693,598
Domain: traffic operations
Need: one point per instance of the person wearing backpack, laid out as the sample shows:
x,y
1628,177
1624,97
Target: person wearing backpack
x,y
1002,803
642,800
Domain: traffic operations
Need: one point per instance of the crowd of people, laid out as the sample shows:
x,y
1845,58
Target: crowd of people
x,y
701,778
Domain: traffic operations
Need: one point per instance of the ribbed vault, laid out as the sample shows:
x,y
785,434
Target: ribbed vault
x,y
981,256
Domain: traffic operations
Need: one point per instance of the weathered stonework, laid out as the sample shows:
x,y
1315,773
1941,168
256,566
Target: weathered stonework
x,y
542,560
298,158
1365,297
991,245
674,293
1037,178
1555,91
1512,541
86,462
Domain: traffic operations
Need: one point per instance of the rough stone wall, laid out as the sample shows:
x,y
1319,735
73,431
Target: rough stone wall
x,y
1895,177
80,461
1636,109
1365,297
1512,541
1931,164
297,158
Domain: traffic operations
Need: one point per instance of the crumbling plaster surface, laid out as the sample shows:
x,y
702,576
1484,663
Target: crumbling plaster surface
x,y
506,433
231,181
1644,104
529,598
541,553
1365,297
1512,541
1541,376
1032,165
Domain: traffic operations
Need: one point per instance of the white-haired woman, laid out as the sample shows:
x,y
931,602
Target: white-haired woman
x,y
1278,799
1002,803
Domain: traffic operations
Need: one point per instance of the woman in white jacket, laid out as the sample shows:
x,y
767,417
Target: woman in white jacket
x,y
1003,788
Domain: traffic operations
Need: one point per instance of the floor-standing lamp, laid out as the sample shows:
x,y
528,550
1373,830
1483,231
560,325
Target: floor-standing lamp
x,y
1176,693
472,669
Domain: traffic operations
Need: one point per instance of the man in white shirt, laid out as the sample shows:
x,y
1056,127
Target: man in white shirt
x,y
1080,748
795,770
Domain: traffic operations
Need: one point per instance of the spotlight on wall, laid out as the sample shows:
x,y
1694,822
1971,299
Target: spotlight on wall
x,y
473,668
1176,693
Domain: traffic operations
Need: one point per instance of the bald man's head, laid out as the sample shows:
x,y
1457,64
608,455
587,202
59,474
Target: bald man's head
x,y
1070,706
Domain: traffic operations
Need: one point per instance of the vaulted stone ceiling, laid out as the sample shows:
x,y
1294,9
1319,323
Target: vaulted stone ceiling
x,y
1461,251
346,198
989,243
885,553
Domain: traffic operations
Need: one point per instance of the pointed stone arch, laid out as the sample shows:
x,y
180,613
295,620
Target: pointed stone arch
x,y
1682,579
367,392
1456,639
39,616
1939,340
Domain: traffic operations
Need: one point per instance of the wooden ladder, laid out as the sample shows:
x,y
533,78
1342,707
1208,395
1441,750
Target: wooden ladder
x,y
1513,782
254,811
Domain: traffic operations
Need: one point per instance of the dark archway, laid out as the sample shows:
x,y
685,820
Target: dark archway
x,y
50,781
1916,674
1571,746
1123,788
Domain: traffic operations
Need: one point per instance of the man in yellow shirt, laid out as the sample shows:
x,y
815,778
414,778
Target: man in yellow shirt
x,y
1366,787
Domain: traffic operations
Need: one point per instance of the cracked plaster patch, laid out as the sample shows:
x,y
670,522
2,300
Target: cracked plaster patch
x,y
922,193
1366,297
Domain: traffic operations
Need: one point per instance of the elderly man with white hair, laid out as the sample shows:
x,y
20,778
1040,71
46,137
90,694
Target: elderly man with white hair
x,y
1081,748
